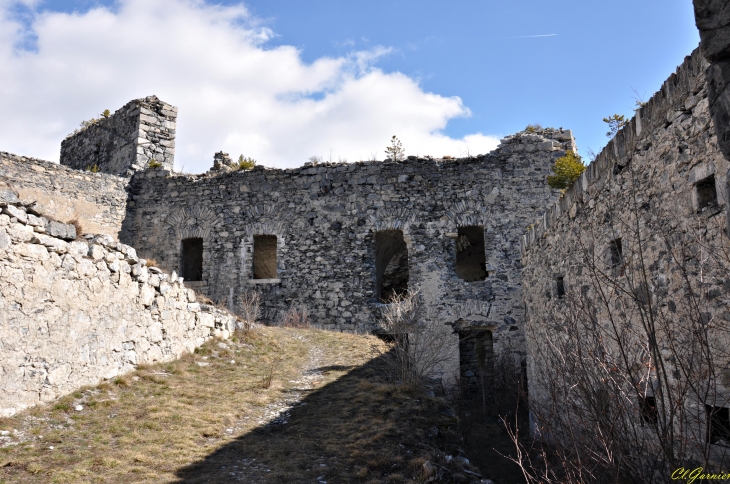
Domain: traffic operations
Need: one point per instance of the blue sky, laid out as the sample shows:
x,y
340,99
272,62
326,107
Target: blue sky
x,y
448,76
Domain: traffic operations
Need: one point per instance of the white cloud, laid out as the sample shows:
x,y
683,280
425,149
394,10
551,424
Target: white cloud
x,y
233,92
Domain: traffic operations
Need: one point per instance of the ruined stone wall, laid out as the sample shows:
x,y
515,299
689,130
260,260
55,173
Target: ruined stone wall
x,y
326,217
713,21
661,188
76,311
127,141
96,200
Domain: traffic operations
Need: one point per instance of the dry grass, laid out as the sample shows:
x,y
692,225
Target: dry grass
x,y
203,419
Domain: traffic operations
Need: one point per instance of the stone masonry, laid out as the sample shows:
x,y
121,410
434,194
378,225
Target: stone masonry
x,y
96,201
326,219
658,189
74,311
140,132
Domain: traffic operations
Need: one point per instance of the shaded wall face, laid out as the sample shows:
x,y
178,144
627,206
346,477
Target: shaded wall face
x,y
326,220
629,239
713,21
127,141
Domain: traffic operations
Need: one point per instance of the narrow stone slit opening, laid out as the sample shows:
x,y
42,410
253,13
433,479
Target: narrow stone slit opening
x,y
706,193
616,252
476,362
191,260
264,257
391,265
647,404
471,261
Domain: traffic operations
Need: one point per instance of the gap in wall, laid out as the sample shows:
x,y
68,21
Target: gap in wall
x,y
191,259
471,261
391,264
264,257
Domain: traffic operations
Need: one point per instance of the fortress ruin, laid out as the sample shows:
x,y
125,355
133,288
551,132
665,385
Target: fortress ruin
x,y
471,235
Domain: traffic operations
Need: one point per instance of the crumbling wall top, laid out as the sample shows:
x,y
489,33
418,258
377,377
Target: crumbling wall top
x,y
138,136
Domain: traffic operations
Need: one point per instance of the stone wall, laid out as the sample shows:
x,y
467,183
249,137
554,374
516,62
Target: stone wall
x,y
325,219
74,311
141,131
713,21
650,216
96,200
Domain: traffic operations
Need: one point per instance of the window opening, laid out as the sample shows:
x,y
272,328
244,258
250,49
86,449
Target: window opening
x,y
391,265
560,287
191,260
718,425
706,193
471,261
616,252
647,405
264,256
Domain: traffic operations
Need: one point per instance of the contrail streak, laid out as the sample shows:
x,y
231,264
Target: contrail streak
x,y
530,36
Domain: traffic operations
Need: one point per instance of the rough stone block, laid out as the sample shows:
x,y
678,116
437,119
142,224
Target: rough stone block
x,y
56,229
17,212
8,196
52,243
4,240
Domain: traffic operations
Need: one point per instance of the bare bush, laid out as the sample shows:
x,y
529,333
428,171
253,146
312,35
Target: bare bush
x,y
295,318
420,348
249,306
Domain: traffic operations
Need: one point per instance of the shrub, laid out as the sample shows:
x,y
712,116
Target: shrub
x,y
531,128
244,163
567,169
93,168
295,318
249,304
153,164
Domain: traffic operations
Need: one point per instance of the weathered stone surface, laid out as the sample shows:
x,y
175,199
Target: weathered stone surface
x,y
8,196
99,324
713,21
127,141
96,200
325,218
17,212
648,178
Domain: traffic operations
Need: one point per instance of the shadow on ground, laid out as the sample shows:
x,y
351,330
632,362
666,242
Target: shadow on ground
x,y
359,428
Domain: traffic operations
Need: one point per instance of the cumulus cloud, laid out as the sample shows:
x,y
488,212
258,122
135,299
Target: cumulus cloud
x,y
234,92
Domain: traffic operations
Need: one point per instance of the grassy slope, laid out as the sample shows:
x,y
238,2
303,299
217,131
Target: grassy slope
x,y
207,418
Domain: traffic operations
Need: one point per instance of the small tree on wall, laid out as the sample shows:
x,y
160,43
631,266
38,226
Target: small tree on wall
x,y
566,170
615,123
395,151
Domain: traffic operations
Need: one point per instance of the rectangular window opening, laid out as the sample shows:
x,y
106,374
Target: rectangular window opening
x,y
560,287
471,261
191,259
391,265
706,193
647,404
616,252
718,425
264,256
